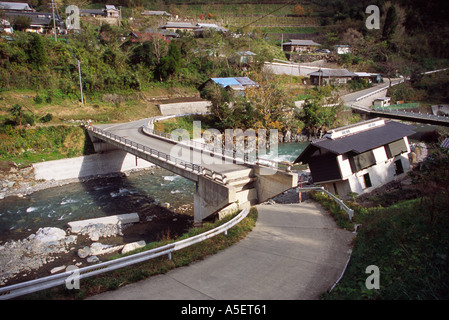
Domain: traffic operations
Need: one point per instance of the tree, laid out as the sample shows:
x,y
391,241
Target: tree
x,y
391,22
21,23
299,11
221,106
16,111
317,119
170,64
432,179
37,54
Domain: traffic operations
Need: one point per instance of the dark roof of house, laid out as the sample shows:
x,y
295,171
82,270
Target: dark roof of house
x,y
333,73
295,42
359,142
180,25
37,18
155,13
93,11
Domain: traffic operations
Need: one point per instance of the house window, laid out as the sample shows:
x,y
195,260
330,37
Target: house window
x,y
398,167
367,180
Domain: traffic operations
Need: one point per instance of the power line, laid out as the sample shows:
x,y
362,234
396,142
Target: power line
x,y
289,3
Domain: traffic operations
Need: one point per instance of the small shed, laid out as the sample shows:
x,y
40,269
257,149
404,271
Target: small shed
x,y
246,57
382,102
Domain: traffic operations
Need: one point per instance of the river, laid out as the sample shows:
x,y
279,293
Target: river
x,y
137,192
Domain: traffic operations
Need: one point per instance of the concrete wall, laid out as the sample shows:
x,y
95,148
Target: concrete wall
x,y
271,185
210,197
96,164
184,107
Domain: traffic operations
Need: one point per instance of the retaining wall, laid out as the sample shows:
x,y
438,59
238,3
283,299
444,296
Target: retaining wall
x,y
96,164
179,108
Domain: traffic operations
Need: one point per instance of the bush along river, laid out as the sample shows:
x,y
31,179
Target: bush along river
x,y
163,201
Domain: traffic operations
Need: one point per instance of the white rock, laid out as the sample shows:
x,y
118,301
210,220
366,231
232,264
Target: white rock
x,y
57,269
92,259
133,246
83,252
49,234
98,248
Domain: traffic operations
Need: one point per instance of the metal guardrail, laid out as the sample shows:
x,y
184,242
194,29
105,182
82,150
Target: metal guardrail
x,y
379,90
233,155
150,151
344,207
40,284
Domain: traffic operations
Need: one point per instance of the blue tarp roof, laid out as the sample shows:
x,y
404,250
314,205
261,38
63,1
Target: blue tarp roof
x,y
224,82
233,81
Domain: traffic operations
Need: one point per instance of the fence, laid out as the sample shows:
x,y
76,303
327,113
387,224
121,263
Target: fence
x,y
36,285
399,106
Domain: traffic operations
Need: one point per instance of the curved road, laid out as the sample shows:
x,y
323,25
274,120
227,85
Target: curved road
x,y
295,252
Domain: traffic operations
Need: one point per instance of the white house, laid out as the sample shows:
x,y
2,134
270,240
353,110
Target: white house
x,y
359,158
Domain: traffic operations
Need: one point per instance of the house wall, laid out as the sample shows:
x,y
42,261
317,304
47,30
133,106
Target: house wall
x,y
326,80
383,172
379,174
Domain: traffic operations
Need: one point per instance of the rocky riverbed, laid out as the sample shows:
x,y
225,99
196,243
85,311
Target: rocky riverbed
x,y
31,254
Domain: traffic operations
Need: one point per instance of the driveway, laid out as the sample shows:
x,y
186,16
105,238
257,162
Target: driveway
x,y
295,252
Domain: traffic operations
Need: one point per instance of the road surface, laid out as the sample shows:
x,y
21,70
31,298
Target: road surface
x,y
295,252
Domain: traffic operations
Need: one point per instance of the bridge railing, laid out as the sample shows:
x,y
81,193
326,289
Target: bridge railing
x,y
150,151
195,168
238,157
66,277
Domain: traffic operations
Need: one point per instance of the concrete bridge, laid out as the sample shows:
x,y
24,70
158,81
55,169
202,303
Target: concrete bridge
x,y
403,115
225,181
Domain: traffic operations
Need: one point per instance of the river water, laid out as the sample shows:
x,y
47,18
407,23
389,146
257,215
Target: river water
x,y
136,192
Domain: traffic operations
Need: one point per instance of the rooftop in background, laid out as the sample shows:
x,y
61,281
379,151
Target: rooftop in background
x,y
179,25
155,13
333,73
37,18
235,82
296,42
16,6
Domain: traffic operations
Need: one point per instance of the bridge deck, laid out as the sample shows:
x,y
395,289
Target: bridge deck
x,y
133,132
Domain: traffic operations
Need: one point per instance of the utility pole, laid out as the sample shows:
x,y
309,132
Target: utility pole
x,y
54,22
81,84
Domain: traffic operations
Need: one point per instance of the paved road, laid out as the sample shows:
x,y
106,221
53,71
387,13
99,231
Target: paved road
x,y
295,252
